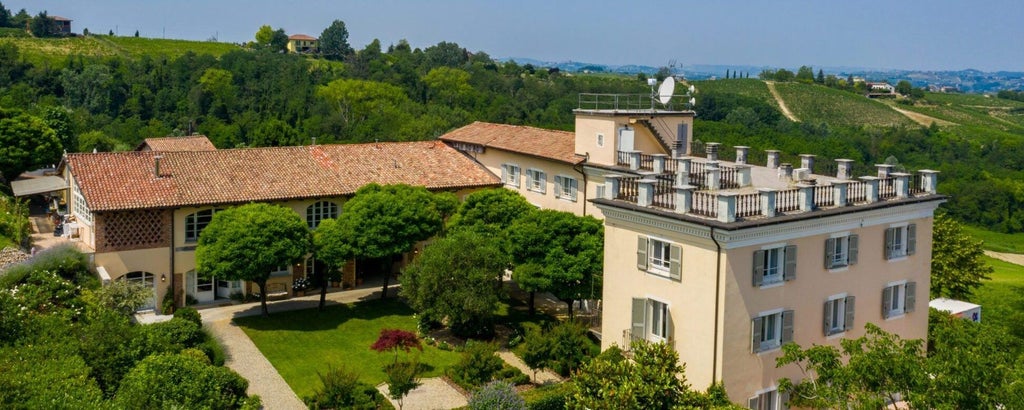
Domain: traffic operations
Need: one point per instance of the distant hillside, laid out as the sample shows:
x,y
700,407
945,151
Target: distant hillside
x,y
53,50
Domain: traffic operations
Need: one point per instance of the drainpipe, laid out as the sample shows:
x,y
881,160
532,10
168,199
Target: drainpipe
x,y
579,168
718,284
171,288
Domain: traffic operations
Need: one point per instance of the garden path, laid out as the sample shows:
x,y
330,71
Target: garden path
x,y
432,394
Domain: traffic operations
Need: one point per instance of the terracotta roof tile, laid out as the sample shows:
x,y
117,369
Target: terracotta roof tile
x,y
126,180
539,142
300,37
190,143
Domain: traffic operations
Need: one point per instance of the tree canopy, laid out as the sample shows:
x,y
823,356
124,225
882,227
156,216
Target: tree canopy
x,y
28,143
249,242
958,264
333,41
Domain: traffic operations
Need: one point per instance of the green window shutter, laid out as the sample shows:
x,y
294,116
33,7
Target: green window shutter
x,y
908,303
787,326
675,263
848,322
828,318
758,267
890,235
641,252
911,239
575,187
754,403
789,271
851,249
669,327
830,252
639,327
756,329
886,301
543,182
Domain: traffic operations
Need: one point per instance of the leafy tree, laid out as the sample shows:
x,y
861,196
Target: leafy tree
x,y
444,54
333,41
450,86
569,249
42,25
958,264
477,365
59,120
561,347
5,16
136,33
805,74
497,207
904,87
456,279
250,241
783,75
653,379
21,19
393,340
821,77
279,41
866,372
99,141
264,35
402,378
275,133
28,144
45,375
184,381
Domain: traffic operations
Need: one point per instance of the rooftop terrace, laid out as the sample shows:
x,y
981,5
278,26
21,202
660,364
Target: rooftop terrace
x,y
739,191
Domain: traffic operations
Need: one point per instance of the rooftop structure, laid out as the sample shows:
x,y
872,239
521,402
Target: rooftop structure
x,y
189,143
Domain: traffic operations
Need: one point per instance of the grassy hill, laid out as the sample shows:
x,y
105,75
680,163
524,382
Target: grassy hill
x,y
973,110
56,50
811,102
746,87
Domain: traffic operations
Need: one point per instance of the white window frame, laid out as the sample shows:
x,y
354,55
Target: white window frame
x,y
319,211
839,314
510,174
774,265
901,246
536,180
282,270
658,316
81,209
566,187
897,305
600,139
774,270
658,265
767,399
771,331
196,226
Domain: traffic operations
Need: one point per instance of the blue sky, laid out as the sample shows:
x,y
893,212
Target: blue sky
x,y
913,34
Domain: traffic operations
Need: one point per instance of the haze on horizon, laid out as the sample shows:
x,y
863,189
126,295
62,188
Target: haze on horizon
x,y
913,34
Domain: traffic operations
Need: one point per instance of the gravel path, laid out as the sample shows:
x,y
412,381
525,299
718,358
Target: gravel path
x,y
782,104
433,394
1015,258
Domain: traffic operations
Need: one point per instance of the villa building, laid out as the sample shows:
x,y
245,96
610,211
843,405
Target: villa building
x,y
140,213
301,43
727,260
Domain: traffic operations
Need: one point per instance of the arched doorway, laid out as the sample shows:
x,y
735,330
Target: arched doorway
x,y
147,280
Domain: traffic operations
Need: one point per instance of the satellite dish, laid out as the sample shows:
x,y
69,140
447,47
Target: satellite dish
x,y
691,89
693,101
665,91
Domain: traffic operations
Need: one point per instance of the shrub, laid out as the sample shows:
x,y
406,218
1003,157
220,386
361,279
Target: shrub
x,y
497,395
170,337
214,351
189,314
110,345
42,376
478,365
196,354
65,261
341,389
122,296
550,397
44,292
182,381
167,305
570,347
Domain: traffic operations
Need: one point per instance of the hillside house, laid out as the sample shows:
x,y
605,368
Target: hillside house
x,y
140,213
61,25
301,43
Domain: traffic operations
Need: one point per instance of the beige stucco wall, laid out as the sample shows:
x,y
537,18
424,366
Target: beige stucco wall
x,y
493,159
691,301
153,260
588,126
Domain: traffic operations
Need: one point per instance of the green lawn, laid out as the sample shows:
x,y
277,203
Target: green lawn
x,y
1002,297
999,242
300,343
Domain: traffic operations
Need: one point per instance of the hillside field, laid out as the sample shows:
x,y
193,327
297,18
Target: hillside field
x,y
56,50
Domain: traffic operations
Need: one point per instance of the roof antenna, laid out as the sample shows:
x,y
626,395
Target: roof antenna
x,y
314,141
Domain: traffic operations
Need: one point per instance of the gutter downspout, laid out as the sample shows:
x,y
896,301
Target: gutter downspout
x,y
718,284
171,288
586,158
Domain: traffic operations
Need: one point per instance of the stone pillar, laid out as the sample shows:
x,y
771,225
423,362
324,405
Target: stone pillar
x,y
807,161
714,176
612,185
929,180
684,198
786,172
659,163
884,170
634,160
806,197
741,154
902,184
743,176
767,201
683,167
840,194
726,207
844,169
645,192
712,150
773,158
871,193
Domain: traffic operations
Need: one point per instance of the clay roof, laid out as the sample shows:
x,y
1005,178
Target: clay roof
x,y
126,180
190,143
300,37
538,142
59,18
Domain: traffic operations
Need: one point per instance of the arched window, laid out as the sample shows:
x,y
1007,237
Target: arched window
x,y
145,279
195,223
320,211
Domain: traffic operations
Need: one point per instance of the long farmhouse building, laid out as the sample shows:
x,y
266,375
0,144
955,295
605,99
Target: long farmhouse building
x,y
723,260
